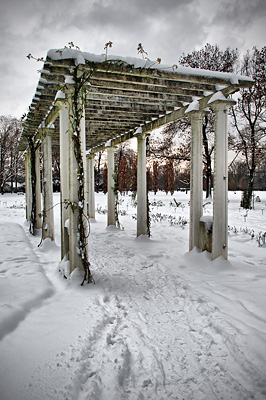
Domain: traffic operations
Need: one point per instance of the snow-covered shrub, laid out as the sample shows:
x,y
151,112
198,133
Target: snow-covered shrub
x,y
261,239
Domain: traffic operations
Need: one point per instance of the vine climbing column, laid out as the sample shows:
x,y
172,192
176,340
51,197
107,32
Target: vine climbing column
x,y
28,186
38,222
64,178
47,187
141,186
78,227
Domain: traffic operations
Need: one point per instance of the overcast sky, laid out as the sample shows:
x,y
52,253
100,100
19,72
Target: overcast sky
x,y
166,29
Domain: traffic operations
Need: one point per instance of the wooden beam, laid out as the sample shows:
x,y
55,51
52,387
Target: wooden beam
x,y
52,116
181,113
134,88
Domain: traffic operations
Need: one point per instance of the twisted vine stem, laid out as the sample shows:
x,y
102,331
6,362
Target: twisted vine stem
x,y
76,114
33,214
33,186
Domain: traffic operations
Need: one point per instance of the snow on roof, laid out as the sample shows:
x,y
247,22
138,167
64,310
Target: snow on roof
x,y
69,80
217,96
108,143
43,81
138,131
81,57
60,95
194,106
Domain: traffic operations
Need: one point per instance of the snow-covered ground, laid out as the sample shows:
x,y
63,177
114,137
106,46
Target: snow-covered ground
x,y
160,323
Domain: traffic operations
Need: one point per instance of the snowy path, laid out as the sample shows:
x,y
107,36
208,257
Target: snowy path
x,y
18,265
152,327
157,338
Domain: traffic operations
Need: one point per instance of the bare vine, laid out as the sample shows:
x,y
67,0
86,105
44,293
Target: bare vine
x,y
76,106
33,214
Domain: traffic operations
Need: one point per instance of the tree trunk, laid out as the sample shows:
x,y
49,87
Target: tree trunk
x,y
1,172
246,201
33,185
97,180
12,172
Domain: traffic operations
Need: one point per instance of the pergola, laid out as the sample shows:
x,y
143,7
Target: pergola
x,y
121,98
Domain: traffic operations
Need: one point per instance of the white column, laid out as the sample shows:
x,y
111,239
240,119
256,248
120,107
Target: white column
x,y
47,188
111,184
91,192
220,192
28,186
74,257
38,197
64,178
141,186
196,177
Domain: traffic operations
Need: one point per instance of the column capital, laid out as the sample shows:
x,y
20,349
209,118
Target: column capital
x,y
110,148
139,134
142,135
90,156
47,131
69,85
69,91
60,102
195,114
221,104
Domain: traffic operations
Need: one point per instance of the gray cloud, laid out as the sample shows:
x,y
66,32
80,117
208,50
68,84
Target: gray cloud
x,y
239,23
165,28
239,12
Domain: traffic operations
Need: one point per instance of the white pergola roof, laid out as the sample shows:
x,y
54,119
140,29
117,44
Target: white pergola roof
x,y
124,94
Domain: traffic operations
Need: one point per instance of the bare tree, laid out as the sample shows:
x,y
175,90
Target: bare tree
x,y
134,175
123,175
11,160
172,144
175,142
212,58
98,172
105,179
155,173
249,118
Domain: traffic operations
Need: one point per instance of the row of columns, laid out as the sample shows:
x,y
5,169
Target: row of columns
x,y
141,186
44,214
69,184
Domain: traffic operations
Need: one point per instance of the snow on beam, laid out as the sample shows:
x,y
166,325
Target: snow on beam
x,y
112,142
181,112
